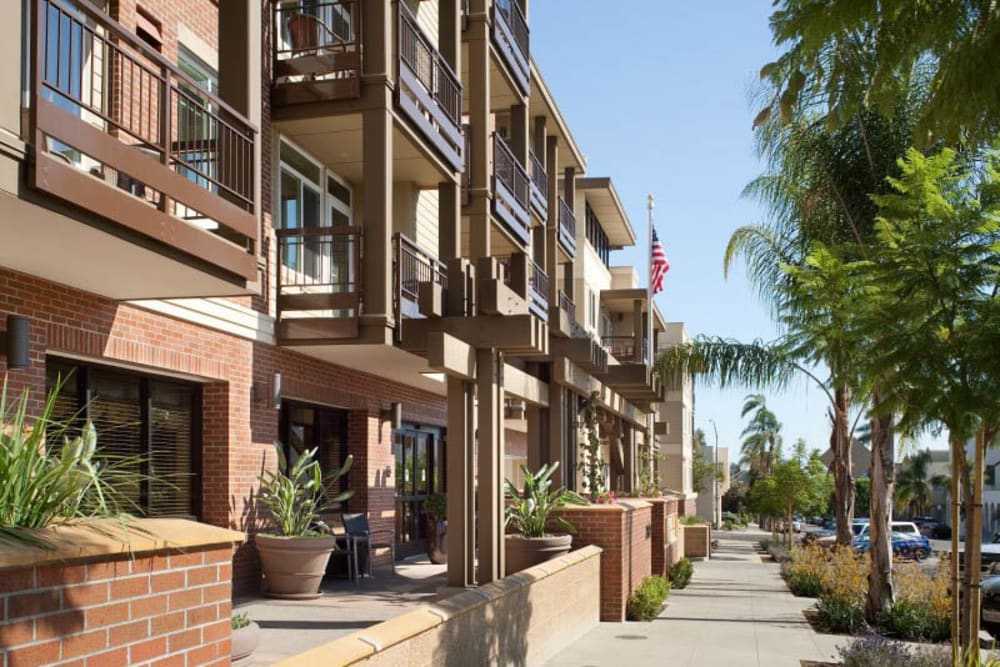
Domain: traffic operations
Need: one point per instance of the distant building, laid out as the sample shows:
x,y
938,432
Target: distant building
x,y
708,493
862,459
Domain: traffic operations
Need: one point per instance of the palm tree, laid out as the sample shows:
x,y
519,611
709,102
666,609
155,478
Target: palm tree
x,y
913,488
761,435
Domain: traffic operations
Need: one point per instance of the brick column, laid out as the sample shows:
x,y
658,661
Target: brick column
x,y
369,441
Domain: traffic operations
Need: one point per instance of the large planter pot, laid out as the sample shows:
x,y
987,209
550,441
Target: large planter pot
x,y
437,541
523,552
244,641
294,566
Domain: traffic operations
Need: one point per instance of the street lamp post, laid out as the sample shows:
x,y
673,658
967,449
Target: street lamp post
x,y
715,479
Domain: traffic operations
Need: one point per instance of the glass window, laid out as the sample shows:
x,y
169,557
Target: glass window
x,y
145,425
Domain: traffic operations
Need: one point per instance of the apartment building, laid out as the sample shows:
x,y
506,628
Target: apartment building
x,y
356,225
677,414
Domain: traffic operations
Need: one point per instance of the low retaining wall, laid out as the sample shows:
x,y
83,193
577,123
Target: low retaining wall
x,y
624,532
104,598
523,619
698,540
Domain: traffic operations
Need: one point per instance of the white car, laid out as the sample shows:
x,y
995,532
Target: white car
x,y
904,527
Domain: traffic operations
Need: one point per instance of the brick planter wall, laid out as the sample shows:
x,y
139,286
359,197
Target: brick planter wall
x,y
624,533
90,603
698,541
664,534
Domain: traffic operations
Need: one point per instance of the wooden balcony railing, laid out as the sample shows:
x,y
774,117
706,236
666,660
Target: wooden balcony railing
x,y
538,290
510,35
319,277
539,186
412,266
120,131
567,228
510,190
623,349
317,51
430,91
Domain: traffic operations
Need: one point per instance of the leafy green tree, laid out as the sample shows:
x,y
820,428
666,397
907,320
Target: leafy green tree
x,y
913,487
794,486
841,56
862,496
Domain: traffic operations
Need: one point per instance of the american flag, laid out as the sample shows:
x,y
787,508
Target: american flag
x,y
660,265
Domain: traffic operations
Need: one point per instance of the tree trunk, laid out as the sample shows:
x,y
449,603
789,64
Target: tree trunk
x,y
956,583
974,541
880,588
840,446
967,564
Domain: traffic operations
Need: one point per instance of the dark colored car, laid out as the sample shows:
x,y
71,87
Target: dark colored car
x,y
903,545
941,532
990,610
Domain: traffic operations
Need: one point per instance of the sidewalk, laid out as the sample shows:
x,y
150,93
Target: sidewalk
x,y
736,611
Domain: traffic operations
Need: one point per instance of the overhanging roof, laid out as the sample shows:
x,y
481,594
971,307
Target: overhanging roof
x,y
604,200
543,104
622,300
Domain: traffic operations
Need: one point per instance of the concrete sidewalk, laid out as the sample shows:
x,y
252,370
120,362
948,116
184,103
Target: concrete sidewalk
x,y
736,611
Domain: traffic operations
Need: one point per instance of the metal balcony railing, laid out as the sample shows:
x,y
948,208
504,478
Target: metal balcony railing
x,y
539,185
623,349
319,271
317,45
538,288
510,190
412,266
567,305
510,32
567,228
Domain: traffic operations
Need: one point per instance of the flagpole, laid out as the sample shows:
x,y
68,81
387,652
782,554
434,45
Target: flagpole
x,y
651,417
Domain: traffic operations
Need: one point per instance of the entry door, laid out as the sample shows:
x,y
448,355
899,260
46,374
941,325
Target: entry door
x,y
419,455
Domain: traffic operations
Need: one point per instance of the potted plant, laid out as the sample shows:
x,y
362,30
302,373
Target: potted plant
x,y
294,560
436,509
246,634
528,513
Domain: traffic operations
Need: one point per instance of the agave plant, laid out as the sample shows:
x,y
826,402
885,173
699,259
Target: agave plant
x,y
298,498
44,483
529,510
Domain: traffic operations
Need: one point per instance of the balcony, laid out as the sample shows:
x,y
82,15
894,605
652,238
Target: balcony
x,y
567,228
510,191
510,37
624,349
413,266
567,306
319,290
429,92
539,186
123,134
538,290
317,51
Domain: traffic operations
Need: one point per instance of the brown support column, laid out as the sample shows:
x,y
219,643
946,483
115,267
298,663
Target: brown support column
x,y
552,229
538,141
519,132
477,92
569,187
377,173
557,434
489,370
376,36
240,47
461,484
450,32
537,432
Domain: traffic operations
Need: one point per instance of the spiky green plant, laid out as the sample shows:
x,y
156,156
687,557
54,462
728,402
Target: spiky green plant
x,y
298,498
529,510
43,483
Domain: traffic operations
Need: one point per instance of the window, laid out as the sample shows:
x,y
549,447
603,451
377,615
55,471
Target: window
x,y
153,420
419,472
311,260
596,236
304,427
197,128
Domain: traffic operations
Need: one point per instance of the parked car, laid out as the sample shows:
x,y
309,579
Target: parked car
x,y
941,532
904,545
990,608
905,527
796,525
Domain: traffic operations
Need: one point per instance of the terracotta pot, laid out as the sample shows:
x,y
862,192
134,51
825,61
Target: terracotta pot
x,y
523,552
437,541
244,641
294,566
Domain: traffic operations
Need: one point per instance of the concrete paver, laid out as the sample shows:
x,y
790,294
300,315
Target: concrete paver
x,y
736,611
289,627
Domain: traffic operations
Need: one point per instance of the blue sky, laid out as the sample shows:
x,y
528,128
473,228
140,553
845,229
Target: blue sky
x,y
687,70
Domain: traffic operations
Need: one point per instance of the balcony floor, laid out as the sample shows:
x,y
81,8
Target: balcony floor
x,y
290,627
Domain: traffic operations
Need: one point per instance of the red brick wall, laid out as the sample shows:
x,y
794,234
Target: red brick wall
x,y
238,434
166,609
624,533
661,549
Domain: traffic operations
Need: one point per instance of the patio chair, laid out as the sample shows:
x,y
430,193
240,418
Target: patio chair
x,y
361,535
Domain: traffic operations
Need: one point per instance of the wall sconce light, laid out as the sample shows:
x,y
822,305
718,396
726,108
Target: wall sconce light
x,y
14,342
276,391
394,415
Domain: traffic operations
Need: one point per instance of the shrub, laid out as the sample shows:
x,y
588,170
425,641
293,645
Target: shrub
x,y
692,520
680,573
646,601
805,571
922,608
240,621
297,496
529,510
837,614
779,552
877,651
